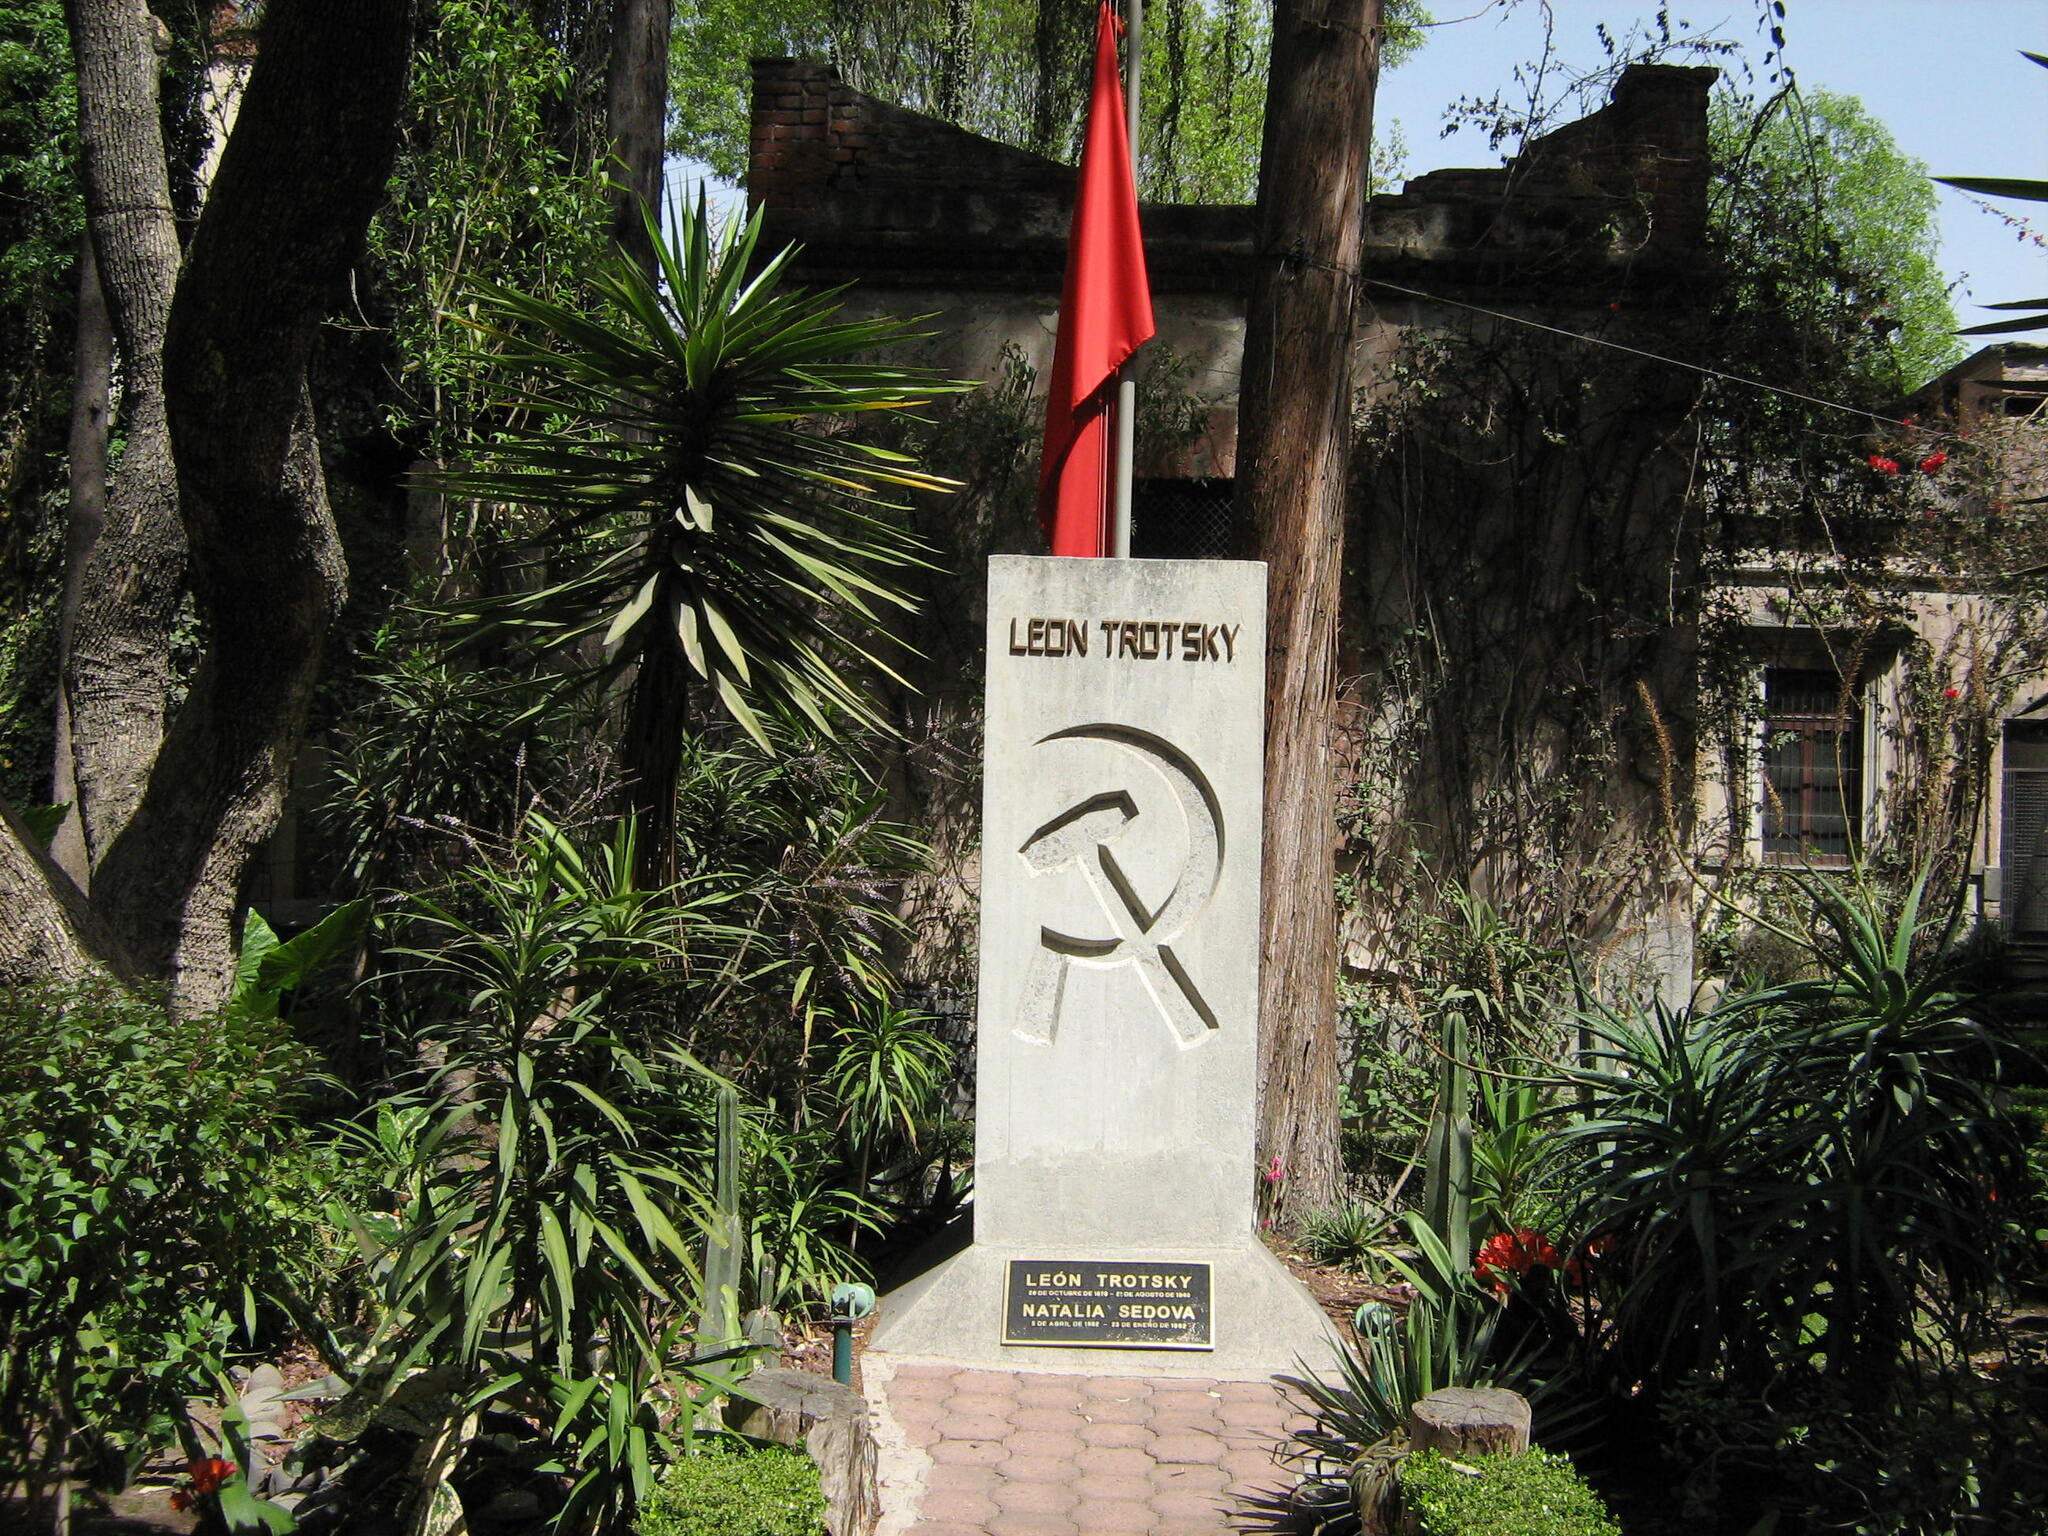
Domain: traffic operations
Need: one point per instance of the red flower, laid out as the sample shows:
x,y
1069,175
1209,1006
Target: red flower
x,y
208,1473
1932,462
181,1500
1883,465
1951,693
1513,1253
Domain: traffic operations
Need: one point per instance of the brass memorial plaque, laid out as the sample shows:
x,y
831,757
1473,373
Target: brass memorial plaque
x,y
1110,1305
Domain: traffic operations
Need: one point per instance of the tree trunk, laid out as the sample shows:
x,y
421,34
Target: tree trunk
x,y
1293,449
299,178
302,172
48,931
92,378
118,687
636,118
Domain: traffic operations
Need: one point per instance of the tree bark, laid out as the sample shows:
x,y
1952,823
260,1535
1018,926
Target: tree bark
x,y
1293,450
118,685
48,931
636,118
269,258
92,379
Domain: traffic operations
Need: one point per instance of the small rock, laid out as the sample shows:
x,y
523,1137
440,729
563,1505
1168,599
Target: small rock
x,y
513,1504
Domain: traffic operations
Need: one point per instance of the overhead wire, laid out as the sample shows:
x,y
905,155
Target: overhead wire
x,y
1642,352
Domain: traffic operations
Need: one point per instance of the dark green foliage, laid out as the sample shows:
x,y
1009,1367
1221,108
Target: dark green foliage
x,y
1013,70
487,182
562,1192
1347,1235
1535,1494
41,218
1827,236
41,214
706,525
153,1191
1794,1180
737,1490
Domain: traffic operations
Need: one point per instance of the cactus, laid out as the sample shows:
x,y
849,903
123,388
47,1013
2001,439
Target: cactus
x,y
1447,1170
719,1327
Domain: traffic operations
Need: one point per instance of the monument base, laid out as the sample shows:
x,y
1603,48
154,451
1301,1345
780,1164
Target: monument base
x,y
1265,1321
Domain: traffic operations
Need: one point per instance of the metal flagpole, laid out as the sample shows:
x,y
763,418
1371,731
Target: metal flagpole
x,y
1127,376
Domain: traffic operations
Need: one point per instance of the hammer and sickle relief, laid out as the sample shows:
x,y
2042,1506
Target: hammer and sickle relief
x,y
1080,839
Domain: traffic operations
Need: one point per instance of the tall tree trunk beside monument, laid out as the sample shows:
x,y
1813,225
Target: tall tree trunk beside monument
x,y
268,260
92,379
117,682
1293,449
636,117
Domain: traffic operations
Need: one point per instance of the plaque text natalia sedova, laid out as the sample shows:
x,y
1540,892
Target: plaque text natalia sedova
x,y
1111,1304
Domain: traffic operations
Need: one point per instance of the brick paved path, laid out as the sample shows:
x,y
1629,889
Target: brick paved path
x,y
1005,1453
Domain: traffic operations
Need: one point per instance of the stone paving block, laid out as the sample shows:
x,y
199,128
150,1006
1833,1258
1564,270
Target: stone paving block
x,y
1063,1443
1065,1421
904,1388
1187,1447
1179,1384
917,1410
1019,1523
948,1528
1247,1391
1247,1413
1037,1498
1193,1505
955,1477
1112,1386
922,1370
976,1426
961,1508
1040,1469
1249,1466
1209,1480
1114,1459
1004,1382
1122,1487
1042,1393
992,1405
1110,1517
1109,1432
969,1453
1111,1410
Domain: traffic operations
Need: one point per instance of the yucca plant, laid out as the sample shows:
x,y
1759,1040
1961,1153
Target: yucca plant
x,y
1806,1178
702,512
569,1243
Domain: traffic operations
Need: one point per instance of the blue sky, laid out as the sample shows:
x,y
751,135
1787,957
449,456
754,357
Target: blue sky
x,y
1944,75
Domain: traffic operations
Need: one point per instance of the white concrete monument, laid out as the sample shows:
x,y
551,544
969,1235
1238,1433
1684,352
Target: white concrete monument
x,y
1116,1115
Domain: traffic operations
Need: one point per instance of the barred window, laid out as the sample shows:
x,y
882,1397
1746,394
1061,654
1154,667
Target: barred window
x,y
1812,767
1183,520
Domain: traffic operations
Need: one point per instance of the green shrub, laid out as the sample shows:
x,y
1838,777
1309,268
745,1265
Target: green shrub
x,y
727,1490
153,1190
1535,1494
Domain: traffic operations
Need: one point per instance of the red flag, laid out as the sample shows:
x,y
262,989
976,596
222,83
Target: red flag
x,y
1105,316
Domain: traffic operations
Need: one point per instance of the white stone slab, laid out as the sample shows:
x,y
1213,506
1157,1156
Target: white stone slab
x,y
1117,1062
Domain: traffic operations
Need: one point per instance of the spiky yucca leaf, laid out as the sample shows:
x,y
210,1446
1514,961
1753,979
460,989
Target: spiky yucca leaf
x,y
701,512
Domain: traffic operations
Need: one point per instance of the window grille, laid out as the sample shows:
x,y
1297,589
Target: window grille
x,y
1812,767
2023,814
1184,520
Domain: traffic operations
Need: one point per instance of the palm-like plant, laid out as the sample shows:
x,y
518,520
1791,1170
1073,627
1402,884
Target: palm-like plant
x,y
2025,190
701,510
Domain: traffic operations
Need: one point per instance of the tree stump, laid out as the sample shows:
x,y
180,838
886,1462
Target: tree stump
x,y
831,1422
1470,1421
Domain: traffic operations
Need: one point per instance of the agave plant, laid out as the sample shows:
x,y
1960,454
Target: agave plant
x,y
701,511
